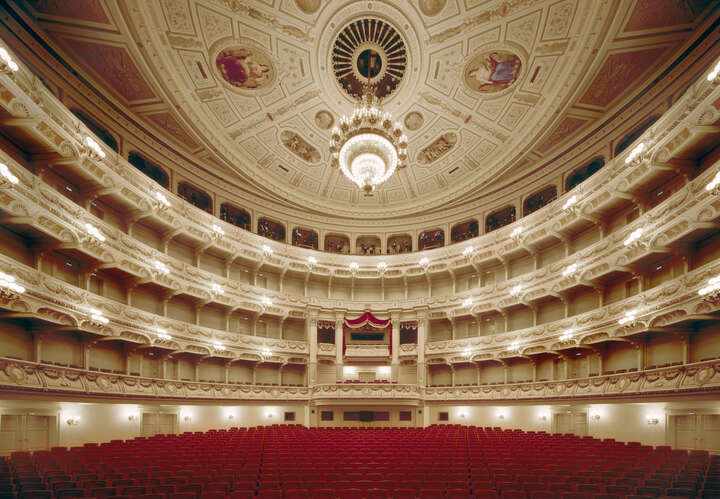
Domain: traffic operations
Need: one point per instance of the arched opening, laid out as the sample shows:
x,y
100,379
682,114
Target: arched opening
x,y
626,141
579,175
271,230
150,169
368,245
430,239
500,218
195,196
399,244
98,130
337,243
464,230
236,216
305,238
539,199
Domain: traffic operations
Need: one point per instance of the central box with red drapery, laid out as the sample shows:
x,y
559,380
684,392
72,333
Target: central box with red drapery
x,y
365,320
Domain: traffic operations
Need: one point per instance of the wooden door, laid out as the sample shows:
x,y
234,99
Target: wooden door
x,y
562,422
709,437
10,435
37,432
149,424
685,431
580,423
166,423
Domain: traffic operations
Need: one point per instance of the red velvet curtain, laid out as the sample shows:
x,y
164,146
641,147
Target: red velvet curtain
x,y
364,320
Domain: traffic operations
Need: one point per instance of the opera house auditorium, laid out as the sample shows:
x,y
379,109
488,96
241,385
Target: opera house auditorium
x,y
370,249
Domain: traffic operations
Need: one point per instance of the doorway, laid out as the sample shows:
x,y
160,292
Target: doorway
x,y
570,422
154,423
27,432
695,431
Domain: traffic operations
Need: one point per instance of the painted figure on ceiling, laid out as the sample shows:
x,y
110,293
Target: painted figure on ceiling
x,y
240,68
492,72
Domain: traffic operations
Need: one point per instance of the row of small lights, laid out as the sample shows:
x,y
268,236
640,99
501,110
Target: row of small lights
x,y
8,281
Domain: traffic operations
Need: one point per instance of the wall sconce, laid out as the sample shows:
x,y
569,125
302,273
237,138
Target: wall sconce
x,y
462,415
501,416
595,416
543,417
73,421
132,417
231,417
652,421
187,417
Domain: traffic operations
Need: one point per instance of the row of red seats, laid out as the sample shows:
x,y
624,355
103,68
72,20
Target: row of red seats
x,y
451,461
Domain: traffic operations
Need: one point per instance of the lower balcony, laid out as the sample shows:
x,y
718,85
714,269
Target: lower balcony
x,y
367,352
21,376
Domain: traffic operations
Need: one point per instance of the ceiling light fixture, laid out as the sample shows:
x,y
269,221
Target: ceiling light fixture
x,y
97,316
570,270
570,202
163,334
7,175
94,147
7,282
162,200
95,232
634,236
367,145
711,186
9,63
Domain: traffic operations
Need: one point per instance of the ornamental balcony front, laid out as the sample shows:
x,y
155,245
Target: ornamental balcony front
x,y
365,391
367,352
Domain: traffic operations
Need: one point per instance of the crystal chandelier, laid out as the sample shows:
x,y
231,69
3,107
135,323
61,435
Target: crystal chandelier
x,y
367,145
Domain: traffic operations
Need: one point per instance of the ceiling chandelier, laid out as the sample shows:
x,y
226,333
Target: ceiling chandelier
x,y
367,145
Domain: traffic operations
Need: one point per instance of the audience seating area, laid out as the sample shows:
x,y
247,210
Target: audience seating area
x,y
275,462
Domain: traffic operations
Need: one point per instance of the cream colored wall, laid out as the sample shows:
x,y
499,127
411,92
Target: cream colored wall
x,y
338,421
624,422
102,422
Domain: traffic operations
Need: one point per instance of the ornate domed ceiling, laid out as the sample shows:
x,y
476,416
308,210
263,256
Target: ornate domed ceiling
x,y
487,89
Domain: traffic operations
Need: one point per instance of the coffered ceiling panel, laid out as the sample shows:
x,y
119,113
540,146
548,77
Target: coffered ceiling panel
x,y
484,88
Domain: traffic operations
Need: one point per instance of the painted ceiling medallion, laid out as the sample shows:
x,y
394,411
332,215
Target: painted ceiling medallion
x,y
369,51
246,67
300,147
492,71
431,7
308,6
438,148
414,120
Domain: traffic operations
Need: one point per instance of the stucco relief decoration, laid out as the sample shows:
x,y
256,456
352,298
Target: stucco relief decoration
x,y
493,71
308,6
300,147
437,149
431,7
246,67
324,120
414,120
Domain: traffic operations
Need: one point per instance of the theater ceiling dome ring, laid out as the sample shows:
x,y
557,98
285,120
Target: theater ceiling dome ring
x,y
369,51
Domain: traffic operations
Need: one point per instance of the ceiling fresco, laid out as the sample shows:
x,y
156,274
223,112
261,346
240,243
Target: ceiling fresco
x,y
485,88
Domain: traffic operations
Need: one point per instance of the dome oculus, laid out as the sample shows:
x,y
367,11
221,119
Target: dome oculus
x,y
369,51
